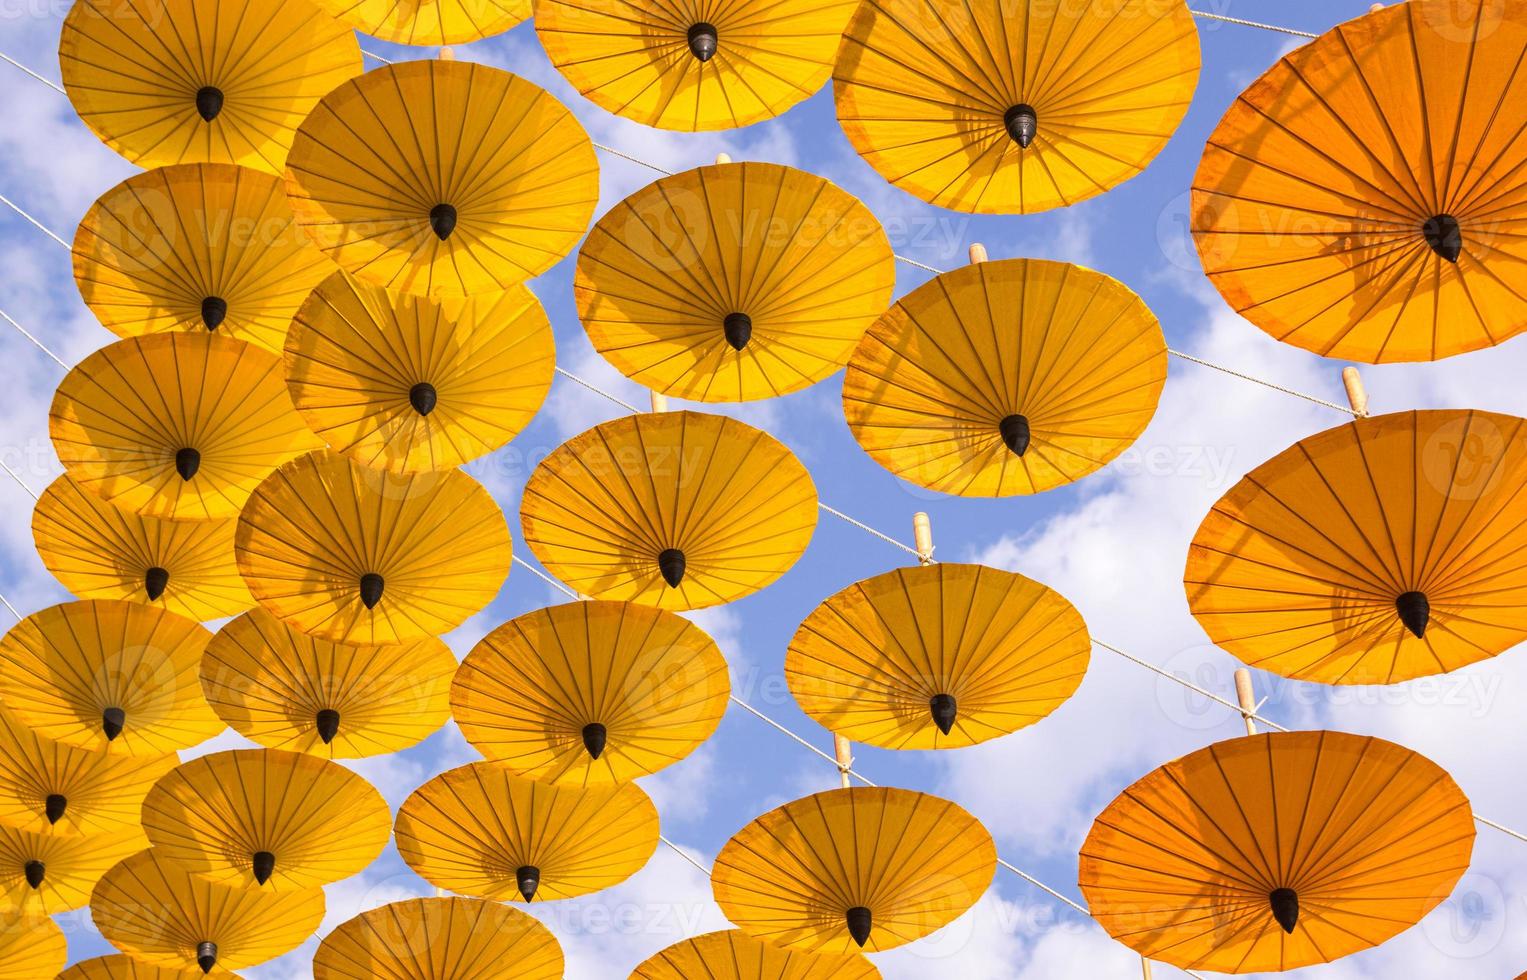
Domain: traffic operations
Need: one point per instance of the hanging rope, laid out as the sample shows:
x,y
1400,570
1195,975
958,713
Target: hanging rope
x,y
35,223
11,608
685,855
46,81
1251,23
598,391
1267,384
37,343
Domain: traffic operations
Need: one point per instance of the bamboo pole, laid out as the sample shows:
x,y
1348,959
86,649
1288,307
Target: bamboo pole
x,y
1247,697
977,252
1145,968
922,538
1357,395
723,158
659,402
845,756
447,53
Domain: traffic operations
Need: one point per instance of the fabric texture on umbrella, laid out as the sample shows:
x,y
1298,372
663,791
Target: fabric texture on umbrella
x,y
406,383
680,510
443,178
687,66
45,873
196,248
868,867
112,676
432,22
1015,108
154,912
176,424
1276,851
1376,552
1006,377
440,938
283,821
733,282
1363,199
122,967
734,955
480,830
201,81
356,555
591,692
32,946
100,551
53,787
896,659
286,690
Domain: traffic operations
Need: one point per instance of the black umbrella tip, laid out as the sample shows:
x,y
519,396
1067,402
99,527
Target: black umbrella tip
x,y
206,956
1285,907
423,397
1415,612
738,328
595,737
209,102
528,877
371,589
1015,433
442,220
859,921
703,41
34,871
671,563
54,806
214,310
187,462
113,720
1444,235
155,581
942,707
263,864
1021,123
327,723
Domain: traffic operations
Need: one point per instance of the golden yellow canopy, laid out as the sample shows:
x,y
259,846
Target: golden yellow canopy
x,y
1363,200
201,81
429,21
442,178
196,247
734,955
356,555
1372,553
154,912
46,873
674,509
591,692
32,946
429,938
283,821
937,657
175,424
1276,851
1014,108
109,676
686,66
287,690
733,282
406,383
48,786
1006,377
480,830
123,967
868,867
100,551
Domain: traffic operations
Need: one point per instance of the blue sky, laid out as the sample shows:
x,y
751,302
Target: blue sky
x,y
1114,543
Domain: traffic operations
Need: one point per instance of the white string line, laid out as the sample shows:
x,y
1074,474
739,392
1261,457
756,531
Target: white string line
x,y
46,81
35,223
12,608
373,54
1251,23
19,481
1255,380
685,855
626,156
599,391
34,340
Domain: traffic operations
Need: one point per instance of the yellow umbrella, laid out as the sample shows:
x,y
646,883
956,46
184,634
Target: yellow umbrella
x,y
121,967
1006,377
189,81
937,657
480,830
439,938
100,551
1276,851
1014,108
156,913
442,178
357,555
1363,200
591,692
429,21
45,873
688,66
1372,553
175,425
733,282
863,867
109,676
31,946
196,247
674,509
283,820
406,383
734,955
51,786
287,690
